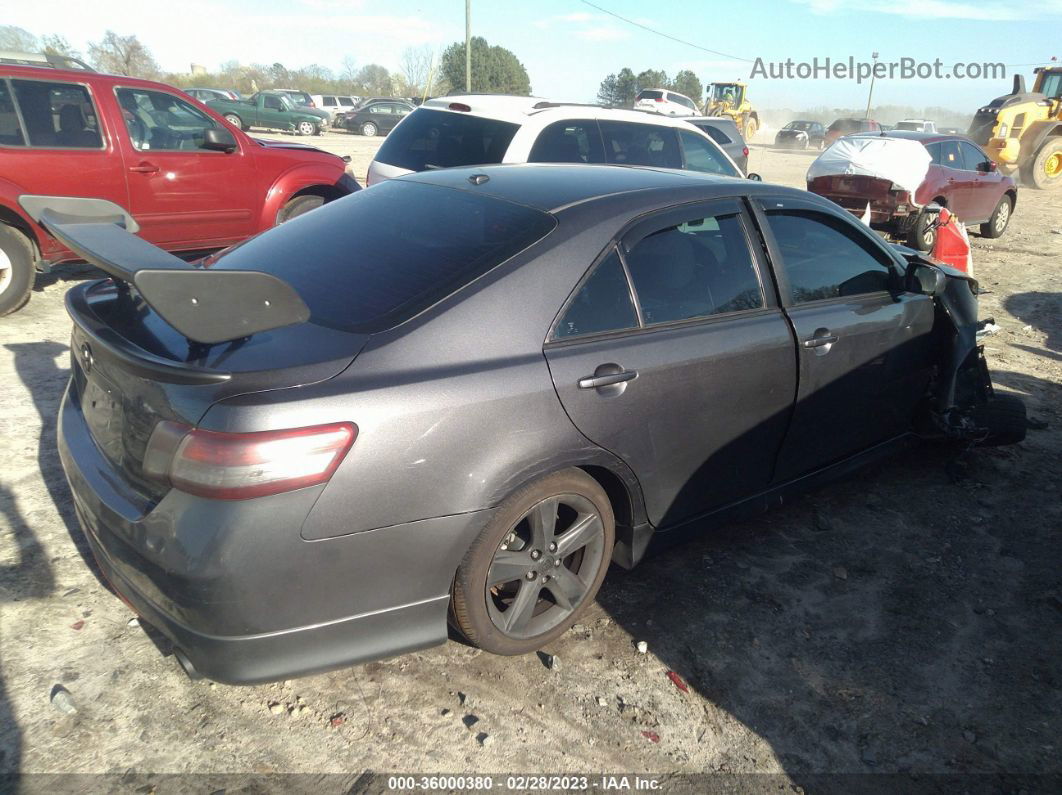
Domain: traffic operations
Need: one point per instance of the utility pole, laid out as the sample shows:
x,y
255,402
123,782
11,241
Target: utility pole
x,y
468,46
873,74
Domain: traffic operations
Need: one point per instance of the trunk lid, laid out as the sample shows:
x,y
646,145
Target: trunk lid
x,y
131,370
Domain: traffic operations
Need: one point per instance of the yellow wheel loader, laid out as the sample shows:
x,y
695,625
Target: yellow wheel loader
x,y
728,99
1022,131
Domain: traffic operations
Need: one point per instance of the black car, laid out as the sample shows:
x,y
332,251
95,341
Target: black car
x,y
801,135
377,116
460,395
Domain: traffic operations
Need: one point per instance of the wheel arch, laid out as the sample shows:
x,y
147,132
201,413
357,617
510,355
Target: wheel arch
x,y
15,220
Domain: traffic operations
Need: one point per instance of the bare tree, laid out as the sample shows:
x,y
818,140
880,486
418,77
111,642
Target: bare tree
x,y
349,72
416,66
122,55
17,39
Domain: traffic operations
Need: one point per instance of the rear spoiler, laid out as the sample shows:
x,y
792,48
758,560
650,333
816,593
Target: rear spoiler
x,y
207,306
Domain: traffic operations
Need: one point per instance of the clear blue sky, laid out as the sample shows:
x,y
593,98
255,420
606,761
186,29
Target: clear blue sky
x,y
568,46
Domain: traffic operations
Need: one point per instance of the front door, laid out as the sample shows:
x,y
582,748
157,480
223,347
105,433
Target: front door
x,y
985,190
183,196
689,377
863,345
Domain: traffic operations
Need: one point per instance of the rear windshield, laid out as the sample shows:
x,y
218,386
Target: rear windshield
x,y
650,95
380,256
847,125
443,139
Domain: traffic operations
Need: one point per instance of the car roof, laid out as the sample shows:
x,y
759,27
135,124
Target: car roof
x,y
551,187
924,137
710,119
521,110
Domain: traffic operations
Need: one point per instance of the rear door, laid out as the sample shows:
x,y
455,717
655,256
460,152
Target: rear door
x,y
863,345
183,196
53,140
958,183
631,144
671,355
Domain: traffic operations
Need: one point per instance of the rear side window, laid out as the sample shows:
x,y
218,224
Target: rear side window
x,y
346,102
950,155
440,139
935,153
378,257
701,155
698,268
10,129
640,144
329,102
568,142
825,258
57,114
602,303
714,133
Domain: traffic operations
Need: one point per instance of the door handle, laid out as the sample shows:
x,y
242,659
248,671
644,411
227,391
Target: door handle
x,y
820,341
597,381
145,168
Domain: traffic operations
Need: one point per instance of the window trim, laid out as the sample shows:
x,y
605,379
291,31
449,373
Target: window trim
x,y
129,140
777,261
551,337
25,131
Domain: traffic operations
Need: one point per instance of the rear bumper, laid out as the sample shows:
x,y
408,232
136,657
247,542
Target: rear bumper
x,y
241,594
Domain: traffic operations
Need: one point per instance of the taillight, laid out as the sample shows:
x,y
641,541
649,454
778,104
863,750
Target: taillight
x,y
658,99
745,151
239,466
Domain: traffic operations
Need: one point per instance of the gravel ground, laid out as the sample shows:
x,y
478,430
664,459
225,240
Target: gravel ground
x,y
906,620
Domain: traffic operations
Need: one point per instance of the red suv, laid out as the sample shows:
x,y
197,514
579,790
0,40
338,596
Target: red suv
x,y
190,180
959,176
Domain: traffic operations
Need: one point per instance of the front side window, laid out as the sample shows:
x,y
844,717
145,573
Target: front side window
x,y
602,303
575,141
10,129
158,121
57,114
698,268
703,156
273,102
825,258
640,144
972,157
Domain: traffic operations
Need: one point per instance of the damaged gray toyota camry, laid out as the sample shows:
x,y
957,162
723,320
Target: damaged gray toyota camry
x,y
457,397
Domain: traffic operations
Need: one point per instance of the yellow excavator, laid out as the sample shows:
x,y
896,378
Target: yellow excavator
x,y
728,99
1022,130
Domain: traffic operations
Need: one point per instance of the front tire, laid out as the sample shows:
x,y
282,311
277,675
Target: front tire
x,y
369,129
16,269
1046,168
305,128
536,566
298,206
996,225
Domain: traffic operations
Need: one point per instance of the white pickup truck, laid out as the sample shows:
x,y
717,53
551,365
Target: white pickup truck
x,y
917,125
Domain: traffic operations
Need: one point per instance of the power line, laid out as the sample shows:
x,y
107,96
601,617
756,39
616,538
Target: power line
x,y
665,35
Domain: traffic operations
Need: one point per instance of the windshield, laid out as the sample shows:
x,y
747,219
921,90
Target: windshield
x,y
799,125
1052,86
726,91
441,139
846,125
359,267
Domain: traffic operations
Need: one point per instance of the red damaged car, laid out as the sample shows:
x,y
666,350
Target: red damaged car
x,y
888,179
189,180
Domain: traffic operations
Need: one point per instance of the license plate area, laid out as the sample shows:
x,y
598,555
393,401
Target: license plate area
x,y
101,404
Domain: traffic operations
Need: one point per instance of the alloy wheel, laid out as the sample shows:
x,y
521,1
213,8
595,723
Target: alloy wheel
x,y
545,566
1002,216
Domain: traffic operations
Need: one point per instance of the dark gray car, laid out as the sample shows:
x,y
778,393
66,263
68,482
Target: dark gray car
x,y
462,393
725,133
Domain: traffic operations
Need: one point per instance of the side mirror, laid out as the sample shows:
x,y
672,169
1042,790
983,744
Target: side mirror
x,y
926,279
987,167
755,177
218,139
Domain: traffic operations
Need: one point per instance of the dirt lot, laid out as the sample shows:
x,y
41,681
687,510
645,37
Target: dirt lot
x,y
906,620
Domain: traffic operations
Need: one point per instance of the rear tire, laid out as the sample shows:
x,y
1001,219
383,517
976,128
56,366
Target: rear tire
x,y
16,269
996,225
1005,419
750,130
921,235
235,121
548,576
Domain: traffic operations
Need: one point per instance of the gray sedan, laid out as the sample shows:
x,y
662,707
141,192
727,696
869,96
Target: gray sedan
x,y
460,395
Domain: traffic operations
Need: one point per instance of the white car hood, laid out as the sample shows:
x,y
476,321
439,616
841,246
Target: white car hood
x,y
899,160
